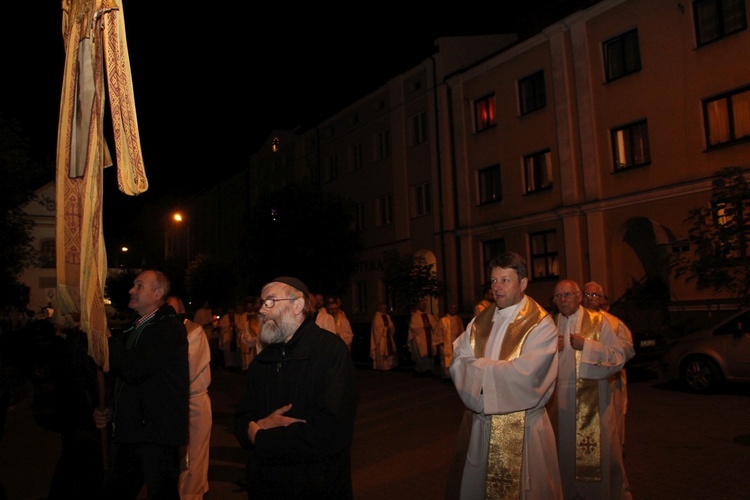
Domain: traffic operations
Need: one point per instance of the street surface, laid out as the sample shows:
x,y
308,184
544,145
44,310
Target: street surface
x,y
678,445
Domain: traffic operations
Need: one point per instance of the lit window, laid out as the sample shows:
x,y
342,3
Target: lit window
x,y
630,146
538,171
727,117
544,263
484,113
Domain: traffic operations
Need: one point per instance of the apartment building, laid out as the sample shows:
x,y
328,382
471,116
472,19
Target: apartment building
x,y
583,148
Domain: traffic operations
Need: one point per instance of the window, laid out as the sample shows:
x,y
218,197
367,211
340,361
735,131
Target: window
x,y
419,128
622,55
544,263
384,210
484,113
47,253
490,250
359,297
421,199
359,216
531,93
382,145
489,184
630,146
727,117
355,156
715,19
313,169
332,167
538,170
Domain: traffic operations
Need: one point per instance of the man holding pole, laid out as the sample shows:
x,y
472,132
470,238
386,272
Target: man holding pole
x,y
150,408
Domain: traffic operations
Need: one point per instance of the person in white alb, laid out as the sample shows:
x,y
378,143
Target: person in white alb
x,y
341,323
504,368
449,328
422,339
589,452
194,475
383,350
594,298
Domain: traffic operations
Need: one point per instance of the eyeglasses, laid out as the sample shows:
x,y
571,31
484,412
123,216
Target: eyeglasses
x,y
565,295
593,295
269,303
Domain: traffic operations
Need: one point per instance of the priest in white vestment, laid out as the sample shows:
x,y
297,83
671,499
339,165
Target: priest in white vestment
x,y
589,449
504,368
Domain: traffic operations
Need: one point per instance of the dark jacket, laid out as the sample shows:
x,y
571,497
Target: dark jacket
x,y
314,372
151,392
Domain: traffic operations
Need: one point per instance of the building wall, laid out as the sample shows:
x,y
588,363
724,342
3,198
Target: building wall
x,y
611,226
42,280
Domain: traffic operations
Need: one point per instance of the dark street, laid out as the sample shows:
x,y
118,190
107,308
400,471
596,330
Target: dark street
x,y
678,445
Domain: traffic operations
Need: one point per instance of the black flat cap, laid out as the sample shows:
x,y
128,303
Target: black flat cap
x,y
292,282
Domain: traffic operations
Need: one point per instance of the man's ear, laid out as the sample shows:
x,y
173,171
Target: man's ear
x,y
523,284
299,305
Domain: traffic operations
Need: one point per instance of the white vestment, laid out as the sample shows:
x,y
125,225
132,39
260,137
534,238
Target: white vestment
x,y
489,386
194,480
599,361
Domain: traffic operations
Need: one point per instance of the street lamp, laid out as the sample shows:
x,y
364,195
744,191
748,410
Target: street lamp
x,y
178,217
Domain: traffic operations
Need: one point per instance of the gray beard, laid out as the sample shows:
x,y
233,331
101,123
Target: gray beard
x,y
276,333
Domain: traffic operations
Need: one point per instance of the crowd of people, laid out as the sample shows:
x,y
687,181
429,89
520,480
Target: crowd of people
x,y
544,392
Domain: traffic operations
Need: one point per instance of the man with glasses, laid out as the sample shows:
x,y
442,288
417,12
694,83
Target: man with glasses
x,y
296,416
589,449
594,298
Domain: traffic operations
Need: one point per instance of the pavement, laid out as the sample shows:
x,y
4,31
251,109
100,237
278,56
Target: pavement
x,y
678,445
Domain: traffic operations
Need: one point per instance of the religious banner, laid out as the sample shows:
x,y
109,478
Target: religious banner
x,y
95,45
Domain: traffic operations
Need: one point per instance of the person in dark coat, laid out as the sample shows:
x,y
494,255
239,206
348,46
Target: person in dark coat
x,y
79,469
297,413
150,424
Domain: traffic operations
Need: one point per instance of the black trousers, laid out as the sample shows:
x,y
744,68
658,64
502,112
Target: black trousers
x,y
136,465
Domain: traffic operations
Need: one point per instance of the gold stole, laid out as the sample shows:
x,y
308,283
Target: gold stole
x,y
507,431
588,425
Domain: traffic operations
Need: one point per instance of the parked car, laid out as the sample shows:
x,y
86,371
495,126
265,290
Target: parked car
x,y
704,360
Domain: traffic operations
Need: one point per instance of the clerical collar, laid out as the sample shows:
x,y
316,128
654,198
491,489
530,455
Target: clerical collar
x,y
511,311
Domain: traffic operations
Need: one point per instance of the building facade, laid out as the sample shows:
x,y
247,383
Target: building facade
x,y
583,148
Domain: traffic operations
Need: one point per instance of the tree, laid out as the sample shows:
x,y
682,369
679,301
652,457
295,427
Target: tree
x,y
21,176
304,232
409,278
720,234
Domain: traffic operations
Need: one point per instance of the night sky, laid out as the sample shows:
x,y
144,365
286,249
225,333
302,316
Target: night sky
x,y
211,84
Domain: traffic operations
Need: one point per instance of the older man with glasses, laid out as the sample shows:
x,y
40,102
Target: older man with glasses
x,y
296,416
589,354
594,298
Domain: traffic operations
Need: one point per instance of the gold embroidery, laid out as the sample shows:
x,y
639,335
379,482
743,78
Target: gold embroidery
x,y
588,425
